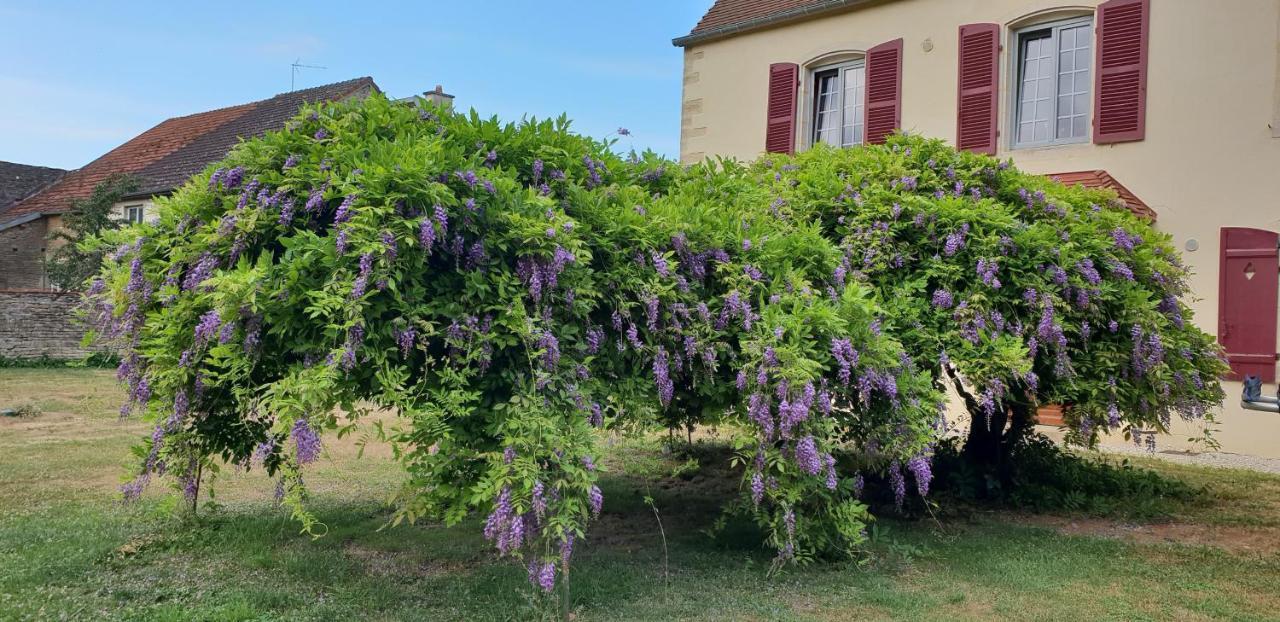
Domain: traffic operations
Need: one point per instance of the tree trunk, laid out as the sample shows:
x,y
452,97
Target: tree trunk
x,y
983,446
992,439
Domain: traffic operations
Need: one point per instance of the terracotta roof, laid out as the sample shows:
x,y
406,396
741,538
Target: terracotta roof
x,y
1102,179
19,181
728,17
169,172
167,154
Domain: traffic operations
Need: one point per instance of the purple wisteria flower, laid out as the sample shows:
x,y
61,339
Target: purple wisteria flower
x,y
898,483
406,338
344,210
1088,271
1121,269
594,337
662,377
262,451
442,219
200,272
306,441
846,357
987,272
361,283
921,468
1125,240
595,498
426,234
942,299
542,575
955,240
208,327
807,456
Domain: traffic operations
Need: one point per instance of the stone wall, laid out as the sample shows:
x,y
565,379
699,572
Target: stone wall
x,y
22,250
39,323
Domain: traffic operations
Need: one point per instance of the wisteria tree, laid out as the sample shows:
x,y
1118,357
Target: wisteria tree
x,y
1025,292
505,291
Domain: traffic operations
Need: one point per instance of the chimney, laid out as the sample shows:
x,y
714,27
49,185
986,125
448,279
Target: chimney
x,y
439,97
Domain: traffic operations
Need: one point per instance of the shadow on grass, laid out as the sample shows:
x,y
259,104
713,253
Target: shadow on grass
x,y
248,561
1042,477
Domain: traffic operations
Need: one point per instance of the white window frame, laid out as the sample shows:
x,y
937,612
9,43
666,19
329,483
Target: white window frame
x,y
811,101
141,211
1015,93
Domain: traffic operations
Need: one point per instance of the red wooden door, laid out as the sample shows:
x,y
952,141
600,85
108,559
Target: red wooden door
x,y
1249,275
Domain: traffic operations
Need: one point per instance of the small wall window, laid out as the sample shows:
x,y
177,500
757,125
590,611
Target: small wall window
x,y
839,106
1053,99
133,214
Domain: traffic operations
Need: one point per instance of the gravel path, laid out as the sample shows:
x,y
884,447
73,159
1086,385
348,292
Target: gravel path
x,y
1208,458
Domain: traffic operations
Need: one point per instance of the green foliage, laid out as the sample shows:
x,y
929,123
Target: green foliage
x,y
1027,291
507,289
504,289
75,259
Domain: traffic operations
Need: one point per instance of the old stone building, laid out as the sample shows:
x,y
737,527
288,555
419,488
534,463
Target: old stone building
x,y
161,159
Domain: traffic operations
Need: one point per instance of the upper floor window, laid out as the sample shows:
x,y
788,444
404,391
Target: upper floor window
x,y
1054,83
839,106
133,214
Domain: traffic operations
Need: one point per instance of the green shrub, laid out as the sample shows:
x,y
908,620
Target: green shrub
x,y
504,289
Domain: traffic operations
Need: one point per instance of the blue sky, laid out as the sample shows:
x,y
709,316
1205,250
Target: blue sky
x,y
79,78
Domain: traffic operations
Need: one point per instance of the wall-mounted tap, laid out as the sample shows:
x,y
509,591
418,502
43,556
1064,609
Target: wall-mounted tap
x,y
1252,398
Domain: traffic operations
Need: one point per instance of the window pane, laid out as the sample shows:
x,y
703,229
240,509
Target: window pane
x,y
854,94
826,112
1036,87
1073,81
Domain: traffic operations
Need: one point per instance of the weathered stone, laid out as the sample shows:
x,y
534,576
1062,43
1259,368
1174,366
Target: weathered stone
x,y
36,324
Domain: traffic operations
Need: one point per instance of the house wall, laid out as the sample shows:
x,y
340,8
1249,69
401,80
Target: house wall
x,y
1211,157
22,252
150,213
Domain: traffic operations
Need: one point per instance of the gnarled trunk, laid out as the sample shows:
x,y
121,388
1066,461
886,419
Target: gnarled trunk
x,y
992,438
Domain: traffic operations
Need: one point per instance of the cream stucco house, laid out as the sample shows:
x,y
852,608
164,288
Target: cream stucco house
x,y
1174,103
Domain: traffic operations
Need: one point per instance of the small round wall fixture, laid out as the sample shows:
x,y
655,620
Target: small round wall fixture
x,y
927,46
1193,244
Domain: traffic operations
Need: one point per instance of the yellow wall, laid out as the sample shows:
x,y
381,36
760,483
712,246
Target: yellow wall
x,y
1211,157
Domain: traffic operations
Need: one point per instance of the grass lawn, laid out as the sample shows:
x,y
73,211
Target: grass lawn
x,y
70,550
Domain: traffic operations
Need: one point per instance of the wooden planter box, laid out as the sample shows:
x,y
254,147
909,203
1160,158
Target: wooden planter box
x,y
1049,414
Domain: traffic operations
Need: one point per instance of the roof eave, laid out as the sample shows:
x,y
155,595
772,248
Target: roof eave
x,y
21,220
759,23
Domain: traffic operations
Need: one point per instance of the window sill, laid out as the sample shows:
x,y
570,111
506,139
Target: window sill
x,y
1046,146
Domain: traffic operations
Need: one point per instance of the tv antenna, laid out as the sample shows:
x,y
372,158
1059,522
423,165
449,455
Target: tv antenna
x,y
297,64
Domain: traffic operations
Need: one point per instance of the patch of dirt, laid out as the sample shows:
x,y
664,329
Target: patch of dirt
x,y
1233,539
381,563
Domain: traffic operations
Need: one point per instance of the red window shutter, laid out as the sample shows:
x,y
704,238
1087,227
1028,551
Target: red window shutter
x,y
1120,77
978,77
780,131
1248,278
884,90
